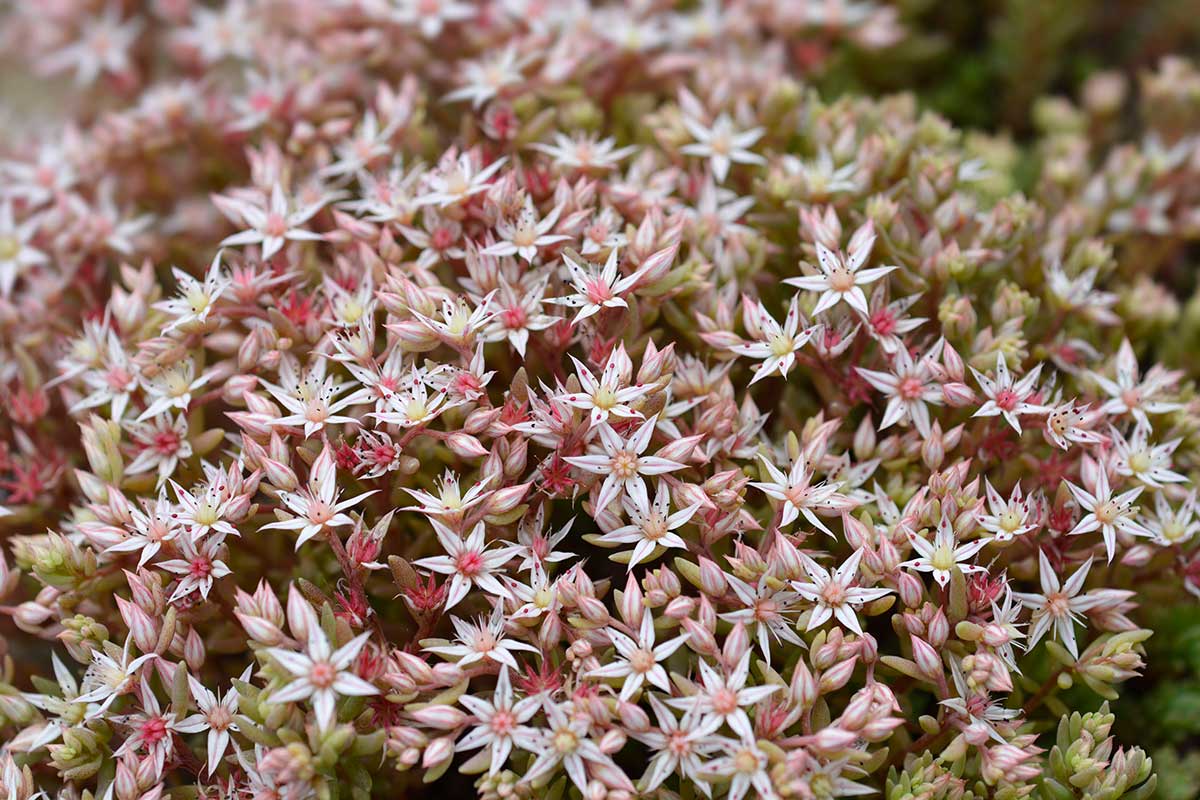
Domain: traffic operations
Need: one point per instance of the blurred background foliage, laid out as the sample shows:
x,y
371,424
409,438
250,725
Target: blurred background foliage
x,y
984,63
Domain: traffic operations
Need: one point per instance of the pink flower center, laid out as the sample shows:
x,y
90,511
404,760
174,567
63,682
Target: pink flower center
x,y
1006,399
910,388
276,225
514,318
724,701
154,730
470,563
322,675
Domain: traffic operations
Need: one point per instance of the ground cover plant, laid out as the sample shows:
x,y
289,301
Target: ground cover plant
x,y
559,400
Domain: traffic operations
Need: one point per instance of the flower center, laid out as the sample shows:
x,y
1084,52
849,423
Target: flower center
x,y
154,730
910,388
565,741
781,345
625,465
470,563
9,247
842,280
641,660
942,559
322,675
724,701
1107,512
276,225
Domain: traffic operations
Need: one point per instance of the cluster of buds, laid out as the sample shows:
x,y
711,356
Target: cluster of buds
x,y
569,401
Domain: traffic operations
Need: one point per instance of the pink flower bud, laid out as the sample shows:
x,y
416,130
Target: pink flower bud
x,y
612,741
927,659
712,578
837,677
193,650
440,716
438,751
141,626
465,445
301,618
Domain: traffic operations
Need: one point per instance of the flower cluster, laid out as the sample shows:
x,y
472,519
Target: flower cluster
x,y
563,401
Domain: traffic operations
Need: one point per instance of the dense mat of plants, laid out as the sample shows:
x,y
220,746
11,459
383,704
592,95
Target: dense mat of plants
x,y
542,400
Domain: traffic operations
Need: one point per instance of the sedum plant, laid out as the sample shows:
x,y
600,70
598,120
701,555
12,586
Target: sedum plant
x,y
537,400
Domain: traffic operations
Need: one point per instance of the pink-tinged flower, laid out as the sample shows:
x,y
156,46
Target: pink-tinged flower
x,y
316,507
151,731
623,465
413,405
203,512
776,344
982,715
800,496
272,221
163,442
722,144
217,714
746,766
527,235
196,299
483,640
103,46
1128,395
449,500
110,676
534,547
518,312
723,696
1106,512
887,323
149,529
651,525
944,554
835,592
468,562
112,380
566,742
1150,464
1058,606
16,252
638,660
1079,295
595,290
314,401
843,279
764,611
584,152
910,388
172,388
500,71
458,178
1006,398
1066,424
321,674
500,722
1009,518
198,565
607,395
679,745
370,143
459,323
